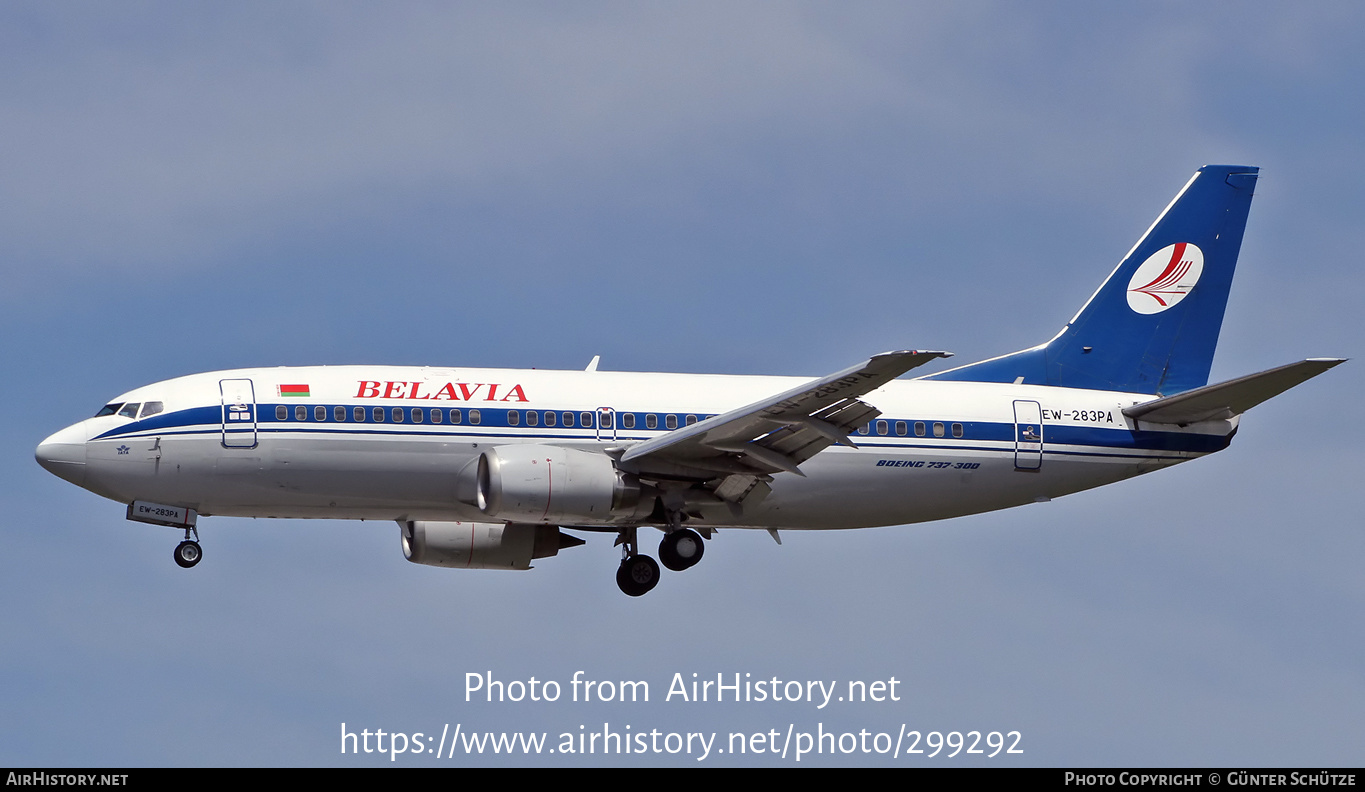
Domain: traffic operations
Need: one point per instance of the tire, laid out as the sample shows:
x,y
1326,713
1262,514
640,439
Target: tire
x,y
681,549
187,554
637,575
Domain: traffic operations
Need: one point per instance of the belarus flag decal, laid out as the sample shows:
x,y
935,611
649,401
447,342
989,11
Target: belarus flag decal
x,y
294,390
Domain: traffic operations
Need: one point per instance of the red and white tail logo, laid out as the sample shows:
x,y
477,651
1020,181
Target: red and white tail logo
x,y
1165,278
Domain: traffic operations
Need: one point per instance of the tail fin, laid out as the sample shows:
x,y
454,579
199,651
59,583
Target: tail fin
x,y
1153,325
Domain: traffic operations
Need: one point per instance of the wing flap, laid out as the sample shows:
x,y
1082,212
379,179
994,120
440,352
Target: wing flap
x,y
1233,397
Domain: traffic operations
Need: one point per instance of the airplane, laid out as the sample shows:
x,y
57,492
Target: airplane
x,y
492,468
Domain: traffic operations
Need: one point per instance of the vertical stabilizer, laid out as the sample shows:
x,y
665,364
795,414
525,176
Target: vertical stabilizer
x,y
1153,325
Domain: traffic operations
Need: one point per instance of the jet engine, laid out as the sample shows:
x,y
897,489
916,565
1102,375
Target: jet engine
x,y
549,484
467,545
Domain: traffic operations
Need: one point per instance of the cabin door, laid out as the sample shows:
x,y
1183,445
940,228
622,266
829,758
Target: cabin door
x,y
1028,435
239,413
606,423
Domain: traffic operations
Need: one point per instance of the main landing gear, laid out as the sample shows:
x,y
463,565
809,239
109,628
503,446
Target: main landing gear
x,y
188,553
681,549
639,574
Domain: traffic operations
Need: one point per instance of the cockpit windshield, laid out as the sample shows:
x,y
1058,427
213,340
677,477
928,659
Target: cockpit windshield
x,y
129,409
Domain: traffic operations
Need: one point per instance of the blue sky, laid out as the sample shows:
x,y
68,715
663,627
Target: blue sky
x,y
774,188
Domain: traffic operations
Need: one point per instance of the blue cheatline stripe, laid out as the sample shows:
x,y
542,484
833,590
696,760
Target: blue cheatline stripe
x,y
953,446
208,420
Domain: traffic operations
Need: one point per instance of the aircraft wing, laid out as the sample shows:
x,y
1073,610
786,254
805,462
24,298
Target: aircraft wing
x,y
1226,399
776,434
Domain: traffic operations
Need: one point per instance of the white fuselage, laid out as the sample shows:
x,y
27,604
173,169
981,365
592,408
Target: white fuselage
x,y
305,442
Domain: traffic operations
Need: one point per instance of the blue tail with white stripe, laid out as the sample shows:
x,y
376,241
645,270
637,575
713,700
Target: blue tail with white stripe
x,y
1153,325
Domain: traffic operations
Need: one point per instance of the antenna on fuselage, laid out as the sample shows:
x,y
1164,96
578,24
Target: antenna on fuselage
x,y
593,365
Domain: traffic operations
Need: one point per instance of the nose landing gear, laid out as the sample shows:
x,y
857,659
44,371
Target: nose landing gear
x,y
188,552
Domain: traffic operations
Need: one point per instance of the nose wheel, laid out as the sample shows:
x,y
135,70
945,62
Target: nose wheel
x,y
188,552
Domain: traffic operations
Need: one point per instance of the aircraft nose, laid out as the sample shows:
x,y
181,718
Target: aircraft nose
x,y
63,454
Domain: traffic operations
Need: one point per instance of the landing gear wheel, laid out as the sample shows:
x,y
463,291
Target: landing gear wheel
x,y
637,575
681,550
187,554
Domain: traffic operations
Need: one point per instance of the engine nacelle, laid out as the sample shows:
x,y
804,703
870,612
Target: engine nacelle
x,y
549,484
470,545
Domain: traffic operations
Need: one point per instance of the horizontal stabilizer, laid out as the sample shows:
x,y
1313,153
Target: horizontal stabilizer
x,y
1226,399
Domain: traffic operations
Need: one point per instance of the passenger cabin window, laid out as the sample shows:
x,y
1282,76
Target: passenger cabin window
x,y
513,417
919,428
628,420
900,428
129,410
691,419
377,413
864,429
456,416
281,412
300,413
881,427
938,429
151,408
532,418
397,414
651,421
358,413
416,414
109,409
957,430
475,417
568,419
671,421
585,420
436,415
319,413
338,413
604,418
549,418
